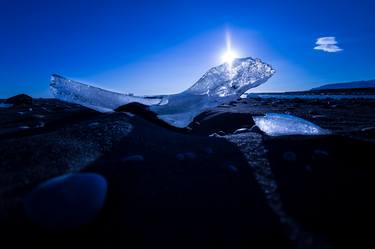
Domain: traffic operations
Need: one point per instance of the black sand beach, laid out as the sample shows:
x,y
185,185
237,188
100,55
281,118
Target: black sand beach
x,y
209,186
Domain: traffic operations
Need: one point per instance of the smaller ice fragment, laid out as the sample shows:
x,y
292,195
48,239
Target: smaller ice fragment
x,y
275,124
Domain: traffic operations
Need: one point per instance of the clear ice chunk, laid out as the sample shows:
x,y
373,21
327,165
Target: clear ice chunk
x,y
94,97
274,124
219,85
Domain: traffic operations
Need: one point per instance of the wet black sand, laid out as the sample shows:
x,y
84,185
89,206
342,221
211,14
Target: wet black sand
x,y
204,187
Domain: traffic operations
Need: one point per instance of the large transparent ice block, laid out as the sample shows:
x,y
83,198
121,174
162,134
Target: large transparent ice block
x,y
219,85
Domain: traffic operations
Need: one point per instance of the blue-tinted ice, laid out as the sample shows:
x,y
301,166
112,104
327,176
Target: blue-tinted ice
x,y
219,85
94,97
274,124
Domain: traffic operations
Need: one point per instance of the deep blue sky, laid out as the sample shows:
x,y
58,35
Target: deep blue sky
x,y
155,47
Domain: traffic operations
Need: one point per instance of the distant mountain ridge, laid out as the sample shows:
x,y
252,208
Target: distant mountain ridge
x,y
347,85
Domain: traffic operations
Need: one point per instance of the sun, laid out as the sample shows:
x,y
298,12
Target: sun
x,y
229,56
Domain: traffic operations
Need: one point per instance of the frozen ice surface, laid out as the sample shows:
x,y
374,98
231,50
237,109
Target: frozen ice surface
x,y
94,97
274,124
219,85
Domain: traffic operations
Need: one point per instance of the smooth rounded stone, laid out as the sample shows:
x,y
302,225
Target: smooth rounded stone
x,y
67,201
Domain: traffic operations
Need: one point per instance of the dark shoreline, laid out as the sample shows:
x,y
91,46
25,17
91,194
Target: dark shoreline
x,y
182,190
349,91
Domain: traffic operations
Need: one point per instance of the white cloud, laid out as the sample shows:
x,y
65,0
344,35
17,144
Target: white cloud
x,y
327,44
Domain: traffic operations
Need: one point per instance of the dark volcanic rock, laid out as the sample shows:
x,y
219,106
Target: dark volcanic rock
x,y
182,196
144,112
326,184
256,129
46,115
206,197
67,201
215,121
20,100
180,188
27,160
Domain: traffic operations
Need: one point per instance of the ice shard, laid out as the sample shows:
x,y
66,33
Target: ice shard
x,y
219,85
94,97
275,124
